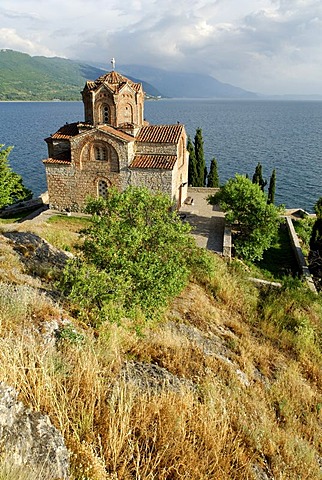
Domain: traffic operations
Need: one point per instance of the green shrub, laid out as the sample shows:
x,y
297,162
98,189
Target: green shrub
x,y
137,255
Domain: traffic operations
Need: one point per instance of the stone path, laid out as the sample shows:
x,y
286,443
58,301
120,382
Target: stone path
x,y
207,220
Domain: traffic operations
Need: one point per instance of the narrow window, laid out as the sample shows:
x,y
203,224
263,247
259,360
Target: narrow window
x,y
106,114
102,189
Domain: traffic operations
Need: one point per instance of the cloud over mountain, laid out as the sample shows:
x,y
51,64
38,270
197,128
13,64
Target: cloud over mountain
x,y
271,46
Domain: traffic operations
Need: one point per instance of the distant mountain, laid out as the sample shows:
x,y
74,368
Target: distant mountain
x,y
23,78
26,78
185,85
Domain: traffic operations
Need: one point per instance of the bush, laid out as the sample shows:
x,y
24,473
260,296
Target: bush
x,y
136,255
255,221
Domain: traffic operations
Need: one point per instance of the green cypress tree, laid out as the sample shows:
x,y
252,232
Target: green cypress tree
x,y
213,177
192,170
271,188
200,158
258,176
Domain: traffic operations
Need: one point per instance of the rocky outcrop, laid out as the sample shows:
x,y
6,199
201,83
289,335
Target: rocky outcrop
x,y
36,253
149,377
29,439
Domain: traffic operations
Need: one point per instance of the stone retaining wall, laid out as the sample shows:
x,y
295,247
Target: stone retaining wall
x,y
227,242
299,254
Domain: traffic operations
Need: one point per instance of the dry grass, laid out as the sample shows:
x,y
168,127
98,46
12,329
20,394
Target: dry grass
x,y
14,472
256,399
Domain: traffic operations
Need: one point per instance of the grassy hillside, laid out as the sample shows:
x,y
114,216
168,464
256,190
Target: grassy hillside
x,y
23,78
227,384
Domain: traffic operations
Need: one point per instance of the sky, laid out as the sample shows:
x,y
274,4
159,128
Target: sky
x,y
265,46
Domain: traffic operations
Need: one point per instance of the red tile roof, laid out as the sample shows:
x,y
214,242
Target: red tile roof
x,y
66,131
160,134
160,162
61,158
117,133
115,82
56,161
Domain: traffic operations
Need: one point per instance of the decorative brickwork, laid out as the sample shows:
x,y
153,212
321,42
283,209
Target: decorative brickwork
x,y
114,147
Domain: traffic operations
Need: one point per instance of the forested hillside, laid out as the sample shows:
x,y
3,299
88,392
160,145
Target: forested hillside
x,y
26,78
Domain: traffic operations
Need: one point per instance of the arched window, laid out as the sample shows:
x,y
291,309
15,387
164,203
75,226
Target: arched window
x,y
100,153
128,113
102,188
106,114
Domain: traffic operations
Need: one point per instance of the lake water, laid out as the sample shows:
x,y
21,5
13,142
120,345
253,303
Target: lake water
x,y
286,135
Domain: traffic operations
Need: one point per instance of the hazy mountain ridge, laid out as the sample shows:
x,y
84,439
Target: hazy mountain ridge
x,y
27,78
39,78
23,77
186,85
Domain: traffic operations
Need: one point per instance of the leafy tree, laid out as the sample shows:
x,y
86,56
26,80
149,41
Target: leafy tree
x,y
213,177
271,188
318,208
316,237
192,171
258,176
12,189
200,158
315,256
136,255
255,221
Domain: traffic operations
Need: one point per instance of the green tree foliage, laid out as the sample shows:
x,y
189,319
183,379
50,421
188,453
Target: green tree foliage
x,y
192,171
318,208
258,176
316,237
255,221
200,159
12,189
315,256
137,254
213,177
271,188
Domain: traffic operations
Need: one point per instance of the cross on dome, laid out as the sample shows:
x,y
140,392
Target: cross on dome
x,y
113,63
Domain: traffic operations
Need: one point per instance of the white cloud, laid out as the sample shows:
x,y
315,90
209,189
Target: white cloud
x,y
271,46
9,38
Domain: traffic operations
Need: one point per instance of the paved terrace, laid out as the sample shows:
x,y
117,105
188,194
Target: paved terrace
x,y
207,220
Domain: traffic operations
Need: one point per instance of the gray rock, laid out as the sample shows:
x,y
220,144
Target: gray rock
x,y
152,378
29,439
35,252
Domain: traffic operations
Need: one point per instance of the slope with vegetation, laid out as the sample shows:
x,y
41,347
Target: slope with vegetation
x,y
223,380
26,78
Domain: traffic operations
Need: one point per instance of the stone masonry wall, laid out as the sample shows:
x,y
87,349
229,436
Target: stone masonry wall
x,y
154,180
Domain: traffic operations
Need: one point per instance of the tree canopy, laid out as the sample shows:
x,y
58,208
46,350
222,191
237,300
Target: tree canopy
x,y
192,171
258,176
213,177
197,173
200,159
272,188
12,189
254,220
136,254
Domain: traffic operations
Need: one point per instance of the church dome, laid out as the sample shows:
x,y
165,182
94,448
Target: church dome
x,y
114,81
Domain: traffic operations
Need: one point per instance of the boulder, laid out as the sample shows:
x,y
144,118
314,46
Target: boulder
x,y
27,438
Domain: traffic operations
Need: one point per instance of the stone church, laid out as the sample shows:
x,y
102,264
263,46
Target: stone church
x,y
114,146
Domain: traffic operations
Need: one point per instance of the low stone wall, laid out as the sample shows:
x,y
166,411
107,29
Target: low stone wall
x,y
25,205
227,242
299,254
209,191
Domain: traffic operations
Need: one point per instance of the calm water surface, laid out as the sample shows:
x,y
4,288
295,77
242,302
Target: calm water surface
x,y
286,135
